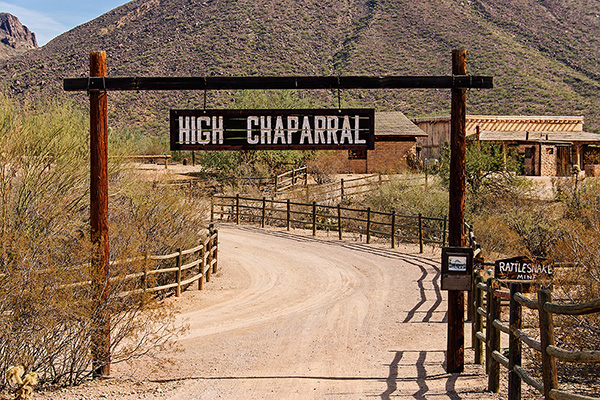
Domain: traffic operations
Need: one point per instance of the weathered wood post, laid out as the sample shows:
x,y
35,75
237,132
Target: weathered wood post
x,y
314,218
455,355
212,208
420,233
547,339
264,212
393,229
477,322
339,215
494,345
179,262
444,229
368,225
288,216
100,269
202,265
514,344
342,189
215,247
237,208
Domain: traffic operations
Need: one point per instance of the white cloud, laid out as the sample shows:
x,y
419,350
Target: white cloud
x,y
44,27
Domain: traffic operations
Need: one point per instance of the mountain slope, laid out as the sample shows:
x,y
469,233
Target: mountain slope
x,y
14,37
543,54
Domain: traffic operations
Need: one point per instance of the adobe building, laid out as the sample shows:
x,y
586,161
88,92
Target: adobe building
x,y
549,145
395,147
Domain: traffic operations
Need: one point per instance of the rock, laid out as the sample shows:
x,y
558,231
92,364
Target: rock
x,y
15,34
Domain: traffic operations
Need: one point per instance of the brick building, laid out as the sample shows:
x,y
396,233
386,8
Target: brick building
x,y
548,145
395,146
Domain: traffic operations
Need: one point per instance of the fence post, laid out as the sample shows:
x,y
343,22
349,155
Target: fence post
x,y
145,276
305,176
514,344
212,208
547,339
314,218
215,248
393,229
202,266
339,212
368,225
209,255
420,233
276,182
488,324
179,256
342,189
264,210
288,215
444,230
494,374
293,177
477,325
237,209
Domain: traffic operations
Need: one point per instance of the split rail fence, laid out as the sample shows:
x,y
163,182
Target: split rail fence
x,y
170,272
367,222
488,327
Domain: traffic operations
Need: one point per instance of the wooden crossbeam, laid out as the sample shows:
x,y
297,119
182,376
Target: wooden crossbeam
x,y
278,82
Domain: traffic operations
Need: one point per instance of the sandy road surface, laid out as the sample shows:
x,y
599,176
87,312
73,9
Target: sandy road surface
x,y
294,317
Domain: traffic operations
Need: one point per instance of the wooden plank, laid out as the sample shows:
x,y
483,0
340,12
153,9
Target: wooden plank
x,y
462,81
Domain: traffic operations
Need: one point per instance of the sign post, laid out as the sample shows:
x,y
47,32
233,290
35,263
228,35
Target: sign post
x,y
99,219
455,355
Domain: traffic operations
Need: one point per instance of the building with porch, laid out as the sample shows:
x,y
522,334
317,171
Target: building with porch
x,y
548,145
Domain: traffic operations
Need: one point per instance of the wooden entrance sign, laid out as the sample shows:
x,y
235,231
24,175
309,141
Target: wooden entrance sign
x,y
344,129
97,84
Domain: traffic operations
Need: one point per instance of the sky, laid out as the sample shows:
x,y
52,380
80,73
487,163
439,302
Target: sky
x,y
49,18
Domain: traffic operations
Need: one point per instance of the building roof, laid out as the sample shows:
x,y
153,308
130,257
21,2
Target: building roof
x,y
514,123
542,136
395,124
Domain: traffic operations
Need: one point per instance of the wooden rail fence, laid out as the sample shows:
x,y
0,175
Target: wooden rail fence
x,y
187,267
488,335
367,222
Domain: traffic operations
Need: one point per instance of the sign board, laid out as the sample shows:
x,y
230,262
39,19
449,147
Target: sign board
x,y
350,129
457,268
522,268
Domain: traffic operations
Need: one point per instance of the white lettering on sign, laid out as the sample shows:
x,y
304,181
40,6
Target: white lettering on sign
x,y
191,130
319,130
332,130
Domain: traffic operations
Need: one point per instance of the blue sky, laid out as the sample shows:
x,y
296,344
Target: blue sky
x,y
49,18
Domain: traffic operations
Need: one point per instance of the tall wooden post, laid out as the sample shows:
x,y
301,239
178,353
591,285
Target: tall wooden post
x,y
99,219
455,356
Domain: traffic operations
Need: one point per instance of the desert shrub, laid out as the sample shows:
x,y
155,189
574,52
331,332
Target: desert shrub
x,y
46,316
325,165
406,197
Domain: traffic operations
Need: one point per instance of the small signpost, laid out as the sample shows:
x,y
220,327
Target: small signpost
x,y
289,129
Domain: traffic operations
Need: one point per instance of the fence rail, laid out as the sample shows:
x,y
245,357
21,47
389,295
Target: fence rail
x,y
546,345
370,223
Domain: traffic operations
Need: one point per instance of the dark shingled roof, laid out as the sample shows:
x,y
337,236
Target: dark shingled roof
x,y
395,124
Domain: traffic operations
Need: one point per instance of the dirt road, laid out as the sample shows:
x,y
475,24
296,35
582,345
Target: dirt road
x,y
290,316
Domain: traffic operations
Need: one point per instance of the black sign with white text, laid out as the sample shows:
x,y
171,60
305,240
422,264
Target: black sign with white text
x,y
349,129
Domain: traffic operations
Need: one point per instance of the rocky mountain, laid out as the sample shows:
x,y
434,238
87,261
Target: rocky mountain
x,y
15,38
544,54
